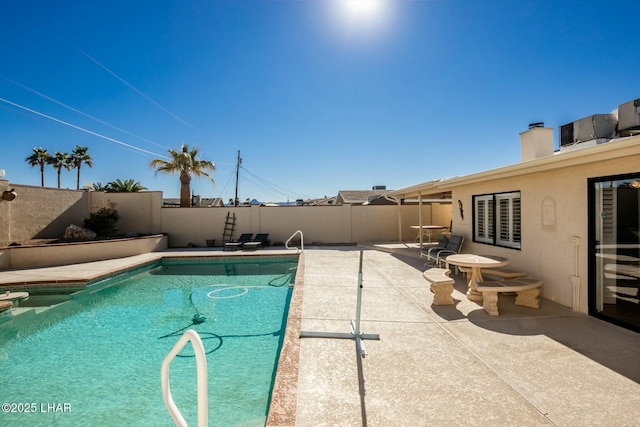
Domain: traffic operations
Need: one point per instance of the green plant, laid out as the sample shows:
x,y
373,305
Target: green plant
x,y
60,161
185,163
103,222
77,158
126,186
39,158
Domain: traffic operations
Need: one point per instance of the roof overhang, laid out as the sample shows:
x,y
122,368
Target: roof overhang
x,y
619,148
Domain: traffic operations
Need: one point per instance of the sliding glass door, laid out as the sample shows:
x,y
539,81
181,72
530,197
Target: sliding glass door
x,y
614,249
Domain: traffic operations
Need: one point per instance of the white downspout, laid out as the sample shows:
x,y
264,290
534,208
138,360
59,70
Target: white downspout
x,y
576,280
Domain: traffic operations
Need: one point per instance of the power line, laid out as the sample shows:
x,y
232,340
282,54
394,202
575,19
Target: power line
x,y
273,186
80,112
226,185
82,129
258,185
130,86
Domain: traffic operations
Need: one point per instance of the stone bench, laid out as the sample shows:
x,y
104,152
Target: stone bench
x,y
502,273
441,285
527,290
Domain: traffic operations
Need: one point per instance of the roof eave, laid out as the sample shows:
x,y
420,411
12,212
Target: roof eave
x,y
606,151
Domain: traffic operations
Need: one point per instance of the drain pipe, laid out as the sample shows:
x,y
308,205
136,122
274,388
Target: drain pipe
x,y
576,280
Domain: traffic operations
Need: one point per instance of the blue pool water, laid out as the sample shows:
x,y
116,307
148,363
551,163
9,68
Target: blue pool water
x,y
95,360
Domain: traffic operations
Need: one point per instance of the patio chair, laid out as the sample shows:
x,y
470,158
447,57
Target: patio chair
x,y
234,246
261,241
453,247
427,252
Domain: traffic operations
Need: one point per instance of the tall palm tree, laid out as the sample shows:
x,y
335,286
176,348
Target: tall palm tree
x,y
40,158
59,161
78,157
185,163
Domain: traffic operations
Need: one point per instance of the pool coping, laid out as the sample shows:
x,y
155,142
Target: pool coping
x,y
284,395
61,276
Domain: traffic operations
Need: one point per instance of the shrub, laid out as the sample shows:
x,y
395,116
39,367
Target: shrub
x,y
103,222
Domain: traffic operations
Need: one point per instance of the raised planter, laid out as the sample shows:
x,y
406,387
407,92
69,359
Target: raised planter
x,y
72,253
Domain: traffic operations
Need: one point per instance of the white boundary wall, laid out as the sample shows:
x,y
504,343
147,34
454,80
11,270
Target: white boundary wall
x,y
41,213
320,224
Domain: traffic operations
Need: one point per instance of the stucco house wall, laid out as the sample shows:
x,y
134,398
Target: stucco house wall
x,y
546,250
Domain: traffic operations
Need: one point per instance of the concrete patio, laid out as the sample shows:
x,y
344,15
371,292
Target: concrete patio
x,y
433,365
453,365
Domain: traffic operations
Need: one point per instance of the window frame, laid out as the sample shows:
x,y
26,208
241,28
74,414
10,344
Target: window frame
x,y
496,228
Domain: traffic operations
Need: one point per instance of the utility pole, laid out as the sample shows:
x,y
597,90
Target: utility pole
x,y
235,201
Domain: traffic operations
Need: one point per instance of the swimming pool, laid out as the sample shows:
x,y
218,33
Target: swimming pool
x,y
95,360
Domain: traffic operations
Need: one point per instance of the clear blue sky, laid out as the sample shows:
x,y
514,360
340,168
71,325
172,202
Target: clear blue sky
x,y
318,98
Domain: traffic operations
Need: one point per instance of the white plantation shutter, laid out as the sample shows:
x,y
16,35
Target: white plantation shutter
x,y
508,219
484,219
497,219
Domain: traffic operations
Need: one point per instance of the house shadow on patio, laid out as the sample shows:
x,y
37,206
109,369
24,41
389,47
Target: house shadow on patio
x,y
608,345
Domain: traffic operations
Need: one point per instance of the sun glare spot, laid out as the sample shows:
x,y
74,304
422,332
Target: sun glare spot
x,y
362,13
363,9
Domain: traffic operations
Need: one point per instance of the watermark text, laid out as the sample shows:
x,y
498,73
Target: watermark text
x,y
33,407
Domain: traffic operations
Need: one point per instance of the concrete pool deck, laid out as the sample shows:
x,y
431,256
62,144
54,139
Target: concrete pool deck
x,y
433,365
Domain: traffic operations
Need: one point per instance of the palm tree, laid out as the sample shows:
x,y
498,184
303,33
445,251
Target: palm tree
x,y
59,161
185,163
126,186
78,157
40,158
96,186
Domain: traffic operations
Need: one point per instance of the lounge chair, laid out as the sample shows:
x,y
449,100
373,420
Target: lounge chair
x,y
261,241
453,246
429,250
234,246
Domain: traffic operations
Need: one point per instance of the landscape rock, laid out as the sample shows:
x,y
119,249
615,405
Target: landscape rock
x,y
74,232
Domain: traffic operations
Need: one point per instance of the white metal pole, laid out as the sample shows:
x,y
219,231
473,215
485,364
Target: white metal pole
x,y
359,299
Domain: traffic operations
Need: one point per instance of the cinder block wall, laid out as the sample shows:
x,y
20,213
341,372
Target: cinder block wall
x,y
41,212
45,213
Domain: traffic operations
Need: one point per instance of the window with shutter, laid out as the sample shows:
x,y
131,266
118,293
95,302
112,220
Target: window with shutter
x,y
497,219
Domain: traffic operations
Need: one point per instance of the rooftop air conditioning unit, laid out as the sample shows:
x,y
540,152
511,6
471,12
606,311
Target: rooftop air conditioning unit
x,y
566,135
629,118
598,126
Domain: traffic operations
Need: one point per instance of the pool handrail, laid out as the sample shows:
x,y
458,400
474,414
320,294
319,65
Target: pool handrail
x,y
201,366
286,245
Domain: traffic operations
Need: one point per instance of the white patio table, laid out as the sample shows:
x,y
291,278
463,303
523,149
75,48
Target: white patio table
x,y
427,229
476,263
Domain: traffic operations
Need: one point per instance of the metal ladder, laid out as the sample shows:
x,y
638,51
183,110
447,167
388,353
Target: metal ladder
x,y
229,227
